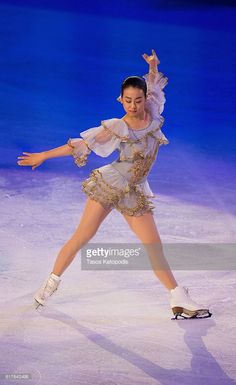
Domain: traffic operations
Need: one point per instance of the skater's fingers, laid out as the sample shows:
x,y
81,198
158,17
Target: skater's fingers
x,y
23,157
154,53
27,153
24,163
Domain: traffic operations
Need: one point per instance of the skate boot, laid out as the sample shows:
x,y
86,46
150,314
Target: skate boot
x,y
184,307
46,290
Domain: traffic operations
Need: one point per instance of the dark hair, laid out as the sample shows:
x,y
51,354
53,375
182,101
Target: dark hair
x,y
136,82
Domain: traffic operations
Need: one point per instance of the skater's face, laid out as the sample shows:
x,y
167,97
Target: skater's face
x,y
133,101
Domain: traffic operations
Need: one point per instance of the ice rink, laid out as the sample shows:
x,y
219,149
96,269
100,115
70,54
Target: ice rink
x,y
109,327
60,73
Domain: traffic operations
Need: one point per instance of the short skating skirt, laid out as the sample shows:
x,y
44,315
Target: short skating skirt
x,y
112,190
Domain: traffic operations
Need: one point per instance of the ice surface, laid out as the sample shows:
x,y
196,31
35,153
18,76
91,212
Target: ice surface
x,y
107,327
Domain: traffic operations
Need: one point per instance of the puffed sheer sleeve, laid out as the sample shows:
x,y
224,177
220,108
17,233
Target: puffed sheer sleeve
x,y
155,94
102,140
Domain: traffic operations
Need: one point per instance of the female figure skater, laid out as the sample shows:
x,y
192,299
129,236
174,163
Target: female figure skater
x,y
122,184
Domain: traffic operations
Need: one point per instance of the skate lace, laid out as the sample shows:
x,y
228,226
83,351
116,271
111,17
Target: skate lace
x,y
49,286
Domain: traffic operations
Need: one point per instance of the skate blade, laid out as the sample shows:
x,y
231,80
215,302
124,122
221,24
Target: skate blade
x,y
183,314
37,305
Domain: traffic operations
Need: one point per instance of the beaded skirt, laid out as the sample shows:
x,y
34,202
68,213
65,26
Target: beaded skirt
x,y
112,190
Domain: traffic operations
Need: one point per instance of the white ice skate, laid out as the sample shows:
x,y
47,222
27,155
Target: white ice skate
x,y
46,290
184,307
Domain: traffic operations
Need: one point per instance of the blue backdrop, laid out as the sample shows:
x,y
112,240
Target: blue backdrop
x,y
62,64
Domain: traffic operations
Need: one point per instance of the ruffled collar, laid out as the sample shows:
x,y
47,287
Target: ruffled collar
x,y
138,129
154,126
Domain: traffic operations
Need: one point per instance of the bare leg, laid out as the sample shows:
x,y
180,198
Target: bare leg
x,y
145,228
93,215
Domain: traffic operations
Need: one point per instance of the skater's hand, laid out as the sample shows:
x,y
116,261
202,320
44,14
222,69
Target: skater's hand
x,y
34,159
152,60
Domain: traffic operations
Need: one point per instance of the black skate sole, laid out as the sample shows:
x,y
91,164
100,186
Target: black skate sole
x,y
37,304
181,313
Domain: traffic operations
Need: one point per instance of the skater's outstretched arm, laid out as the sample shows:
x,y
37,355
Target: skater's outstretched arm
x,y
103,140
37,158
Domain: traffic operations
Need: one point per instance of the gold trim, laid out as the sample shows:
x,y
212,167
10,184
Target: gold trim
x,y
145,147
81,160
142,165
122,138
127,138
109,198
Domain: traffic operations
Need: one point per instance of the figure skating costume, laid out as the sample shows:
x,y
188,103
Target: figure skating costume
x,y
123,184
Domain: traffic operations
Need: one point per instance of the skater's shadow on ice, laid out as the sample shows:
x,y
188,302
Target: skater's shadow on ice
x,y
203,364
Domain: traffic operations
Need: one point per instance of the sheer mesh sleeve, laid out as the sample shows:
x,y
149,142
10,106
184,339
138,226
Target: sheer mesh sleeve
x,y
155,94
102,140
80,151
162,139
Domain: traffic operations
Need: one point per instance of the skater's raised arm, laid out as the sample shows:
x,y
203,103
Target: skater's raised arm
x,y
156,81
37,158
153,63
